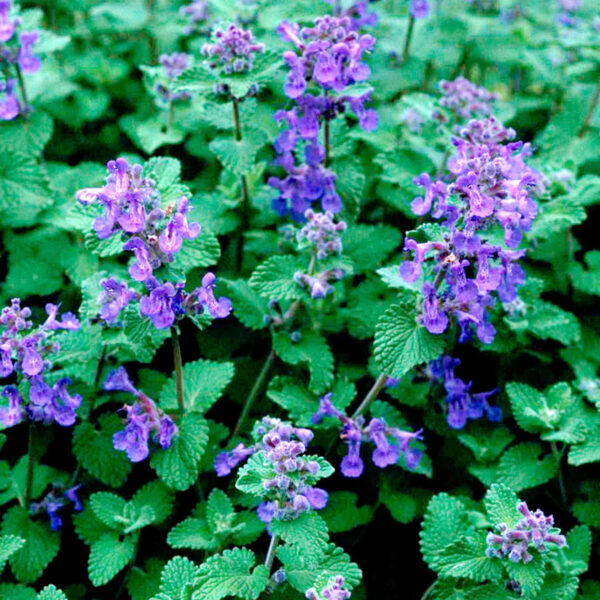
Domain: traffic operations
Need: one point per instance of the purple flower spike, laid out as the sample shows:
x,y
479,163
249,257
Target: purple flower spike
x,y
218,309
7,25
32,363
115,297
13,413
118,380
158,305
140,269
134,438
174,64
68,321
9,105
28,62
419,9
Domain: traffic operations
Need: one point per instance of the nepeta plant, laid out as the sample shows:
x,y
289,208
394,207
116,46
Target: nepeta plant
x,y
369,234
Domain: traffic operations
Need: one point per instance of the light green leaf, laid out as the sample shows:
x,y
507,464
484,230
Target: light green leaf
x,y
108,556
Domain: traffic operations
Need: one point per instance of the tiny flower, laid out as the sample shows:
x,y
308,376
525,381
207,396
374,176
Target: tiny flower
x,y
28,62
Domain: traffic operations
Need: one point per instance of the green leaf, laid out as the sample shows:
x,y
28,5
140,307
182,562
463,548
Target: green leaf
x,y
311,348
193,534
302,572
40,548
578,549
466,558
231,573
248,306
178,466
203,384
401,343
530,408
150,134
202,251
158,496
15,591
108,556
143,584
108,508
238,156
520,468
557,215
342,513
50,592
275,278
444,523
501,505
529,576
95,452
9,544
219,511
369,245
588,452
178,578
27,136
587,280
307,534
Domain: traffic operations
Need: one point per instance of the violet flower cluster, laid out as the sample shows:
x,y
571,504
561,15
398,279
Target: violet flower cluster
x,y
568,12
330,56
534,529
323,236
358,12
55,501
460,403
419,9
142,419
288,492
16,55
197,13
491,184
232,50
334,590
172,65
132,209
465,99
26,353
390,442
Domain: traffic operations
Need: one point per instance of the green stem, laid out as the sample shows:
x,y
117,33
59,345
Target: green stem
x,y
327,136
30,467
271,552
178,368
591,110
427,592
21,81
245,212
373,393
408,39
561,483
254,391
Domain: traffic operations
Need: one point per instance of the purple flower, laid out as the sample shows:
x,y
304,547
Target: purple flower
x,y
334,590
158,305
197,13
352,464
71,495
465,99
7,25
28,62
384,454
171,238
31,363
534,529
174,64
205,295
140,269
9,104
13,413
68,320
225,462
6,364
316,497
115,297
232,50
142,419
419,9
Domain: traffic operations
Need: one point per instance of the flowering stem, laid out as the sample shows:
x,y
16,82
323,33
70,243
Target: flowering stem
x,y
271,552
296,304
23,91
178,367
30,464
561,483
373,393
326,135
408,39
591,110
254,391
427,592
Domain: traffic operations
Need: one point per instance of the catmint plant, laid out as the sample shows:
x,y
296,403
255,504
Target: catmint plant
x,y
491,185
359,12
142,419
17,59
327,60
55,502
390,442
534,530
